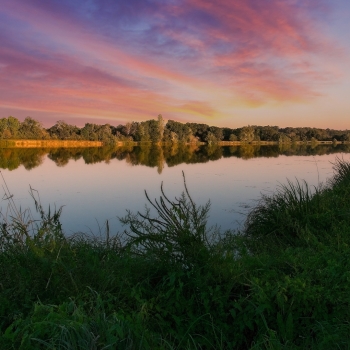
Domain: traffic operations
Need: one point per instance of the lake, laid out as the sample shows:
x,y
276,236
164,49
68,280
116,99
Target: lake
x,y
99,184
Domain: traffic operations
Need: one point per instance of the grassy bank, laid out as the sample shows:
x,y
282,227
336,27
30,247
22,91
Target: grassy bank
x,y
172,283
81,143
48,143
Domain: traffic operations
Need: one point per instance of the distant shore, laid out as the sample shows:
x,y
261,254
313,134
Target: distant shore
x,y
30,133
83,143
49,143
259,143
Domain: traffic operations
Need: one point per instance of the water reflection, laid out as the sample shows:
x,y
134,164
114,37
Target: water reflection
x,y
156,156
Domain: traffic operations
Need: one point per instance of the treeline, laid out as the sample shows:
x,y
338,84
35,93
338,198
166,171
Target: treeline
x,y
157,130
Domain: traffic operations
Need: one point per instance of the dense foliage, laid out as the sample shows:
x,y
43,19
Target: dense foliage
x,y
172,283
156,130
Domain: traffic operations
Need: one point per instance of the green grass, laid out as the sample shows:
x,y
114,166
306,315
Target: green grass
x,y
172,283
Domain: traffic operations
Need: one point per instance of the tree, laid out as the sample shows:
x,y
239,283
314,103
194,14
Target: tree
x,y
154,131
200,131
345,137
63,131
128,127
211,138
247,134
161,126
177,132
283,138
217,132
88,132
104,134
9,128
269,133
233,137
142,133
227,132
32,129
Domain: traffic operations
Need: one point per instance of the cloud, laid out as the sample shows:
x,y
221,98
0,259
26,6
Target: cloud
x,y
138,57
197,108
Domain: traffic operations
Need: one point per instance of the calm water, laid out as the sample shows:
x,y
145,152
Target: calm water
x,y
99,184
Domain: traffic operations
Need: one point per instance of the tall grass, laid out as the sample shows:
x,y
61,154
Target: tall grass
x,y
297,214
178,234
20,228
172,283
342,173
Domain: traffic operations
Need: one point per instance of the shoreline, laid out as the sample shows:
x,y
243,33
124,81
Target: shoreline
x,y
271,143
82,143
48,143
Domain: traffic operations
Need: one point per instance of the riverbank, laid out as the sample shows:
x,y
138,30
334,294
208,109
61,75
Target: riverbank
x,y
174,284
75,144
48,143
262,143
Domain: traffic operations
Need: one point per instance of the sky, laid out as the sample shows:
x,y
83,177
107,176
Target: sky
x,y
224,63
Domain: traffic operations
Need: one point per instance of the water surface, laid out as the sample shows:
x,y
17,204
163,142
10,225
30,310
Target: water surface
x,y
99,184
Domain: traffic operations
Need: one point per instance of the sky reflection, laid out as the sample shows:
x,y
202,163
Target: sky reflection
x,y
94,193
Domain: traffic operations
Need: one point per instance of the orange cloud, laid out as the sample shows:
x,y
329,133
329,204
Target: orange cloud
x,y
194,58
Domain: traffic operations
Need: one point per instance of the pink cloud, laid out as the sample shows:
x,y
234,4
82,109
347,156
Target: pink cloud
x,y
258,51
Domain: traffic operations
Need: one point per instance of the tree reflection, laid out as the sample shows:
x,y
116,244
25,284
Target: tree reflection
x,y
158,156
12,158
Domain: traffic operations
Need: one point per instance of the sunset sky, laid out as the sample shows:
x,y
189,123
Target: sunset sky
x,y
224,63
